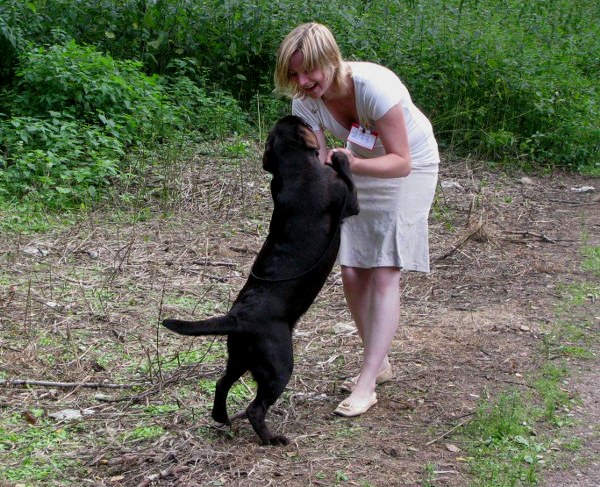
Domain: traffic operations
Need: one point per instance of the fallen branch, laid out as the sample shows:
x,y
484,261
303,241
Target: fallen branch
x,y
476,232
172,471
66,385
527,233
214,263
462,423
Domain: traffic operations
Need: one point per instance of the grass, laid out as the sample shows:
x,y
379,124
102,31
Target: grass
x,y
502,441
30,454
28,218
591,261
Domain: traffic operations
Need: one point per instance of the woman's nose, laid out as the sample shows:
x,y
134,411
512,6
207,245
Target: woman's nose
x,y
302,79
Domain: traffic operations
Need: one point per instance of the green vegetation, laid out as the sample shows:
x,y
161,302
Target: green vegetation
x,y
31,451
75,114
105,102
87,87
591,260
504,446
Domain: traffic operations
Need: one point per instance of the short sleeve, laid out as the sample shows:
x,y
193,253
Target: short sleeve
x,y
303,109
379,89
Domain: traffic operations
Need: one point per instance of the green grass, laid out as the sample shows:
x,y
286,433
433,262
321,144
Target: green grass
x,y
31,455
504,443
501,443
143,433
591,260
205,351
429,475
28,218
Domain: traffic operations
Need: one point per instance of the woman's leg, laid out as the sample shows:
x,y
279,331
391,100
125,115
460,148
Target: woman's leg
x,y
373,297
357,290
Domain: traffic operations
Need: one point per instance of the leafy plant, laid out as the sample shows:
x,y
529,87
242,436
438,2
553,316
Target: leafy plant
x,y
74,113
56,161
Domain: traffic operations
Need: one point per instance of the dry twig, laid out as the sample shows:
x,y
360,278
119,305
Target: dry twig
x,y
44,383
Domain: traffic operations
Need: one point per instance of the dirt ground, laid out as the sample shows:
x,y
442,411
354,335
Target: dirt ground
x,y
81,305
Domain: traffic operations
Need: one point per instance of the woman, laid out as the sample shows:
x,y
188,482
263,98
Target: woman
x,y
394,159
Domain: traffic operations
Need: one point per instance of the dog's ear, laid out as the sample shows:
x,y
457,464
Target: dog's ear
x,y
269,159
309,137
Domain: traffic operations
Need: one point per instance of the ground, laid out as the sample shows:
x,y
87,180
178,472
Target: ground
x,y
80,306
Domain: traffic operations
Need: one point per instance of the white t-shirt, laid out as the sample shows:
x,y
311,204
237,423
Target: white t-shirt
x,y
376,89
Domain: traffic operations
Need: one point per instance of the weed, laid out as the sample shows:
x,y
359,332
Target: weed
x,y
591,260
341,476
346,430
160,409
144,432
549,386
501,442
573,444
428,476
31,452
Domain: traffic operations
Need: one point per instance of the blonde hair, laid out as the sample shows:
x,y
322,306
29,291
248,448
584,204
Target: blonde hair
x,y
319,50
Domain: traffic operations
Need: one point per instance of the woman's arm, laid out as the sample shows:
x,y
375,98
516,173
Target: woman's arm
x,y
323,152
396,162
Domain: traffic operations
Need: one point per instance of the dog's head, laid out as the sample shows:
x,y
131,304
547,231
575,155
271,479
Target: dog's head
x,y
289,135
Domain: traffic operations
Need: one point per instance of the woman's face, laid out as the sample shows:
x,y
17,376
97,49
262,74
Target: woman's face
x,y
313,83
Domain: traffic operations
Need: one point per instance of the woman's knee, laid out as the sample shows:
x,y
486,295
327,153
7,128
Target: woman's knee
x,y
352,275
385,277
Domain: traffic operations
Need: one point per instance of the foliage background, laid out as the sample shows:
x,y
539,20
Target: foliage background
x,y
86,84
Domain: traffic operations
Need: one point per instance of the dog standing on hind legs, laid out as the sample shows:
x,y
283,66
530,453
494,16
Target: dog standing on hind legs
x,y
310,201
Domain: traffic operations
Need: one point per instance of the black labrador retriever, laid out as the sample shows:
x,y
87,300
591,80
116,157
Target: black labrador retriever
x,y
310,201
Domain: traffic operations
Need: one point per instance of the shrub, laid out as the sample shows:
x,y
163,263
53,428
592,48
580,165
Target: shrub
x,y
505,80
91,87
57,162
73,113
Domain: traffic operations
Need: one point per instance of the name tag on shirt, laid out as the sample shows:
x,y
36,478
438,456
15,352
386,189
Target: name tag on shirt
x,y
363,137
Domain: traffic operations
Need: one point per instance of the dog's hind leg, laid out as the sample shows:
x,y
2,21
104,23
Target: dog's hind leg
x,y
272,376
256,412
235,369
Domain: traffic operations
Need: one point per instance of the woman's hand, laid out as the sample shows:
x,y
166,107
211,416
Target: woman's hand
x,y
396,162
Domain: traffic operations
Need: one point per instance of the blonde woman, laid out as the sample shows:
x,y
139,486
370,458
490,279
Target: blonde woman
x,y
394,159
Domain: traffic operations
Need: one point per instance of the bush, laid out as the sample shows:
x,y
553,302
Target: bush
x,y
214,115
73,113
91,87
56,161
505,80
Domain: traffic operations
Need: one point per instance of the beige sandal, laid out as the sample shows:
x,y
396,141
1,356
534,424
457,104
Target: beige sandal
x,y
349,410
384,376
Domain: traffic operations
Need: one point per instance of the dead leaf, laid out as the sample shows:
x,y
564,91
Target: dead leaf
x,y
29,417
452,448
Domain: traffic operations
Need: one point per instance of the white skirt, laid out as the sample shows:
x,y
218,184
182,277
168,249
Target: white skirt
x,y
391,229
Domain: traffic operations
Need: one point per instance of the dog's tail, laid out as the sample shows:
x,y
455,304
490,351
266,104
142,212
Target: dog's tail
x,y
218,325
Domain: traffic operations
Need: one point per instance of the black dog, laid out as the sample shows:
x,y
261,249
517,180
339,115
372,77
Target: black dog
x,y
310,201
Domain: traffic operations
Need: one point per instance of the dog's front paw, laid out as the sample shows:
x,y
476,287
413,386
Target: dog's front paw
x,y
278,440
339,161
221,417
